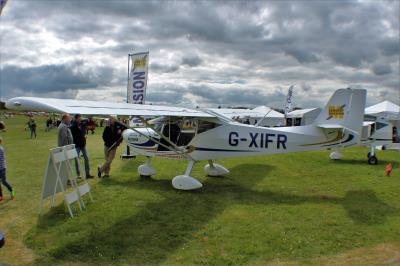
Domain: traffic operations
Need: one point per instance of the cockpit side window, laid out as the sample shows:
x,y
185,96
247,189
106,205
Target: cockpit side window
x,y
380,125
204,126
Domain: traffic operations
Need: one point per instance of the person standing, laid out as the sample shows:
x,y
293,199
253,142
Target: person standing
x,y
112,138
32,127
49,124
64,133
3,173
78,131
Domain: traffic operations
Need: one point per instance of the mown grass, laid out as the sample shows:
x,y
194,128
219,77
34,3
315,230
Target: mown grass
x,y
295,208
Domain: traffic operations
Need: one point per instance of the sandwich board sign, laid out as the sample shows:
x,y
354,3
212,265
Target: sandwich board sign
x,y
71,154
56,177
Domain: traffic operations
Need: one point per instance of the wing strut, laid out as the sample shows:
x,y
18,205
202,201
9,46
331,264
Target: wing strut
x,y
176,148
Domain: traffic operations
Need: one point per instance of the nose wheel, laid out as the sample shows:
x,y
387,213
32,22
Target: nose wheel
x,y
372,160
371,156
146,170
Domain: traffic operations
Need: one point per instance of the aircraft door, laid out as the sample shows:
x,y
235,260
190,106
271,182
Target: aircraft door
x,y
179,133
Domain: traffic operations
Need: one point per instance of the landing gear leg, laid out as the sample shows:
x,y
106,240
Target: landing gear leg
x,y
146,170
371,156
336,155
214,169
185,181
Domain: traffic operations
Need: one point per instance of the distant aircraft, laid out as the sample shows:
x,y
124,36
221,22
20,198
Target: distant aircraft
x,y
380,130
261,115
196,135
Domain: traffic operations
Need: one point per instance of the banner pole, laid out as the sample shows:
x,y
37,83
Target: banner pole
x,y
127,94
128,151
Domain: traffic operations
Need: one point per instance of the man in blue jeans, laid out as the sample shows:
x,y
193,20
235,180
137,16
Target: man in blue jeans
x,y
3,173
79,135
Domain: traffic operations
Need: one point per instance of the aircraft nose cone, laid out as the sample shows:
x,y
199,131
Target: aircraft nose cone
x,y
126,134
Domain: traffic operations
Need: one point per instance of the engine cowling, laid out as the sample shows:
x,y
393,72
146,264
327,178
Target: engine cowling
x,y
141,139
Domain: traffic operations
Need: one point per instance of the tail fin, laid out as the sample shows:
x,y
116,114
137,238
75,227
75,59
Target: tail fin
x,y
344,109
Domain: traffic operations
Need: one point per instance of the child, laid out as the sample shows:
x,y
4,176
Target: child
x,y
3,173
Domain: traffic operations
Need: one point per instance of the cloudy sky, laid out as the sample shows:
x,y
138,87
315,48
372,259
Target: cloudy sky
x,y
201,53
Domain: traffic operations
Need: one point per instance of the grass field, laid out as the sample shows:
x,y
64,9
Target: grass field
x,y
285,209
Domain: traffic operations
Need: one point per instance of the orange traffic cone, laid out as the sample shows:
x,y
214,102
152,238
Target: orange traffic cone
x,y
388,169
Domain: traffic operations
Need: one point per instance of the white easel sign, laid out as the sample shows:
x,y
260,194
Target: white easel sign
x,y
56,177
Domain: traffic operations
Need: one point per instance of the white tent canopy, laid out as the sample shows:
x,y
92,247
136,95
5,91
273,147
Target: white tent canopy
x,y
301,112
302,116
265,110
269,117
384,109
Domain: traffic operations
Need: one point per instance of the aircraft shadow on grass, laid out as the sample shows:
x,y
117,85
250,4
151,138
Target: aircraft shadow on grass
x,y
160,228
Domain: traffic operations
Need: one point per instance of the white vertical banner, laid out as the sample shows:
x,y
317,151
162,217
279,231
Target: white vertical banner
x,y
137,83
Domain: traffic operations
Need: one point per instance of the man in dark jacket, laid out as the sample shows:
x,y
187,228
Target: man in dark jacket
x,y
112,138
79,135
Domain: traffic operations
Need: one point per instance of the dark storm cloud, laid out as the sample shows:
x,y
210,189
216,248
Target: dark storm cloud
x,y
390,47
168,93
47,79
234,96
163,97
381,69
163,68
191,61
303,56
276,43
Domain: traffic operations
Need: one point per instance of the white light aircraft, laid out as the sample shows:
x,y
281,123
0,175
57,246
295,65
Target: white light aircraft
x,y
380,130
196,135
377,135
380,134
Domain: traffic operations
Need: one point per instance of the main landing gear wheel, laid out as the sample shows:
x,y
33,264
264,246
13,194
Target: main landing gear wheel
x,y
214,169
373,160
185,181
335,155
146,170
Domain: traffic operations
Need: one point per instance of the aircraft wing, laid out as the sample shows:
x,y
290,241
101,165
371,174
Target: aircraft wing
x,y
98,108
330,126
231,113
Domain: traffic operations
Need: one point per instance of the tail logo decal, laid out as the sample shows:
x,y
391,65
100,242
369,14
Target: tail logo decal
x,y
336,112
